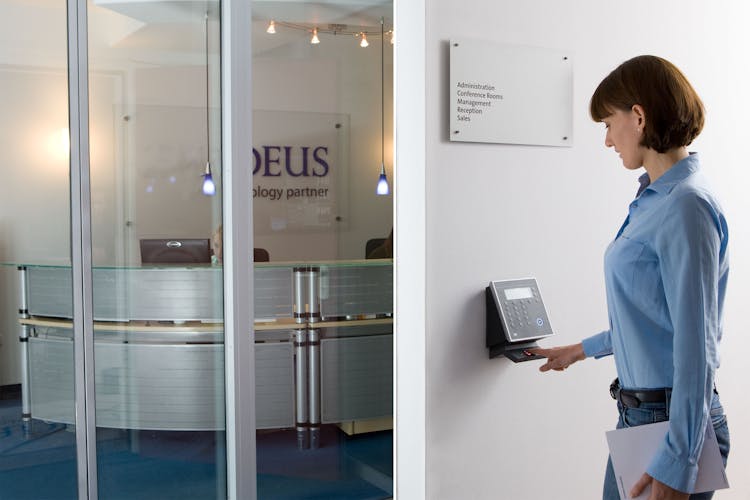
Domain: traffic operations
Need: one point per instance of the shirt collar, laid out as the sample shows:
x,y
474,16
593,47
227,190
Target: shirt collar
x,y
644,181
669,179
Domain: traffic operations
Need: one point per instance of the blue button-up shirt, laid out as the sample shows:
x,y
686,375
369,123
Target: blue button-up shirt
x,y
666,275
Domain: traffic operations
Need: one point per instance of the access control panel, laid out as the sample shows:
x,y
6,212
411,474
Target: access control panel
x,y
521,308
516,317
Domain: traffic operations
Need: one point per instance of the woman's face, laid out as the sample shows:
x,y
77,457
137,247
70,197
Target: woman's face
x,y
624,132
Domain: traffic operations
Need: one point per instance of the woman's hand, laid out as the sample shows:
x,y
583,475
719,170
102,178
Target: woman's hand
x,y
659,490
559,358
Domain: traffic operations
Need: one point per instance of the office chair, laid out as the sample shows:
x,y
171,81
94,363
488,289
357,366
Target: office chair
x,y
261,255
372,244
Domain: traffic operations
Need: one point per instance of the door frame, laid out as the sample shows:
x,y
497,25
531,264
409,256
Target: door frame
x,y
238,299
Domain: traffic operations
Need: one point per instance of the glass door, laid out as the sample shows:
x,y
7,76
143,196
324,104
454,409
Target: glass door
x,y
38,432
322,137
155,147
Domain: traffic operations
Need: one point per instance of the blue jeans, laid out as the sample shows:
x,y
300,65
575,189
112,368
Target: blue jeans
x,y
649,413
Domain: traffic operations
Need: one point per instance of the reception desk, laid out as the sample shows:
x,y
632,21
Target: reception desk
x,y
322,334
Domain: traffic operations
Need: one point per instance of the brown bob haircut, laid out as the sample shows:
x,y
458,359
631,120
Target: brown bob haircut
x,y
674,112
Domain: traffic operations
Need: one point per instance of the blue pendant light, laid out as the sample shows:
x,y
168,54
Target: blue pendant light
x,y
382,189
208,188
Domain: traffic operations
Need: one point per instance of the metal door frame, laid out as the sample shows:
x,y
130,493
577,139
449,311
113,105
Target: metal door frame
x,y
238,270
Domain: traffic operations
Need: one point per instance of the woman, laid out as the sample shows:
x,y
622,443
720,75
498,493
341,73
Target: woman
x,y
666,274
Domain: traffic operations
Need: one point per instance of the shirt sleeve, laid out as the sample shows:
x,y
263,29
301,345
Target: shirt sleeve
x,y
598,345
689,246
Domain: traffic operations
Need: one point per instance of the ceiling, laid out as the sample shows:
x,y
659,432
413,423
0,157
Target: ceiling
x,y
365,13
154,31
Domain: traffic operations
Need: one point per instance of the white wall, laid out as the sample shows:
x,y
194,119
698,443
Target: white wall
x,y
35,193
499,430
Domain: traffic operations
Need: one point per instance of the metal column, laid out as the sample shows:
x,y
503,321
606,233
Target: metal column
x,y
80,229
313,366
306,307
306,281
23,313
302,414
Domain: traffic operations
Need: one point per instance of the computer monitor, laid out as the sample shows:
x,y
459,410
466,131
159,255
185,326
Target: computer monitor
x,y
176,251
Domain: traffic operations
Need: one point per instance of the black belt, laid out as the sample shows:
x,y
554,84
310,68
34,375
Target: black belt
x,y
634,398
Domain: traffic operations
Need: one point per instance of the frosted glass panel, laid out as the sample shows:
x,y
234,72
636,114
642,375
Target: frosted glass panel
x,y
510,94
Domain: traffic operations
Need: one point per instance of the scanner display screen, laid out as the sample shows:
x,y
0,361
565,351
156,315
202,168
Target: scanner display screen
x,y
518,293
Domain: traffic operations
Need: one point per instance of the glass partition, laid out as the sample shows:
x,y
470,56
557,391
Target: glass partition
x,y
37,455
322,99
323,337
155,132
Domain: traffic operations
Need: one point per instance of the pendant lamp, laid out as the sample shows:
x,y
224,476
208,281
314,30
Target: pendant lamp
x,y
382,187
209,188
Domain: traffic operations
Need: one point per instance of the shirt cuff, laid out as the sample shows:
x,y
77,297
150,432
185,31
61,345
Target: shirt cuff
x,y
597,346
675,474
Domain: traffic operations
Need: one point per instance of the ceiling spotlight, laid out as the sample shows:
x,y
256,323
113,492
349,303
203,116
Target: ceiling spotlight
x,y
315,40
271,27
364,42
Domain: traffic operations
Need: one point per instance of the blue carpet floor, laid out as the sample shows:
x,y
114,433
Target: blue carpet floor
x,y
37,462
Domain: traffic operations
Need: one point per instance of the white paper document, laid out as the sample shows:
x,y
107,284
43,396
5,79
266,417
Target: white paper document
x,y
633,448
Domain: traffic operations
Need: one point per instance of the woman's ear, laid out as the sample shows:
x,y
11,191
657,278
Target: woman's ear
x,y
640,116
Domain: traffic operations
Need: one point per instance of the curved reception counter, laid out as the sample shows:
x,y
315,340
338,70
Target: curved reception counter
x,y
322,334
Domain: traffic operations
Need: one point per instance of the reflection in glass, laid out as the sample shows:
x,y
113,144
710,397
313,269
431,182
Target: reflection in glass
x,y
324,314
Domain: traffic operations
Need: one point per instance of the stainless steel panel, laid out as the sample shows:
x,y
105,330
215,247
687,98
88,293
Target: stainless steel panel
x,y
176,294
274,385
177,387
50,292
157,386
185,294
51,376
356,291
273,292
356,378
138,386
157,294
